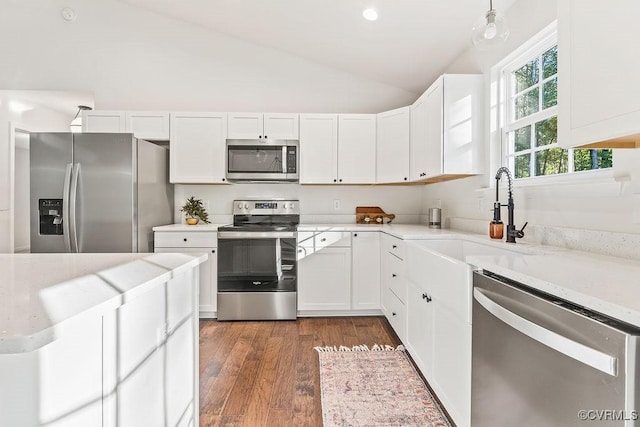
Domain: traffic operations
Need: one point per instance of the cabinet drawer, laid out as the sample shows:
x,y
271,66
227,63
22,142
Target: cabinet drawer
x,y
397,279
394,245
396,314
322,239
186,239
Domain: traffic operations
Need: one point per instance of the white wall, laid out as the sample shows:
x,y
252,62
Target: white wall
x,y
135,59
599,204
23,114
316,201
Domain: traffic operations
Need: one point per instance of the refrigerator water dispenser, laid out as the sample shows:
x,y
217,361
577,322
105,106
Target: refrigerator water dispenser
x,y
50,216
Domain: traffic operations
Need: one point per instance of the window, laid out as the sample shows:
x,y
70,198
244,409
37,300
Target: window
x,y
530,128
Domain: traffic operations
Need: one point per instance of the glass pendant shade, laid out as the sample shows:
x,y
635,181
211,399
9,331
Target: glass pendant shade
x,y
489,30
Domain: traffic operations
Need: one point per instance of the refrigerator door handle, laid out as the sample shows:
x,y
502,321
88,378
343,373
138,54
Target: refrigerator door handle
x,y
587,355
65,207
73,208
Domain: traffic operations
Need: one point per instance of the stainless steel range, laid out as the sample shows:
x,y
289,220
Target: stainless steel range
x,y
257,261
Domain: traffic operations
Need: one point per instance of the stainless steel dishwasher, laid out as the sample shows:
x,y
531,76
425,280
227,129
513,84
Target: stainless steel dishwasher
x,y
541,361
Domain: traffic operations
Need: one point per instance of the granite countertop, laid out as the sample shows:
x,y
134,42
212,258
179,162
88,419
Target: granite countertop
x,y
40,291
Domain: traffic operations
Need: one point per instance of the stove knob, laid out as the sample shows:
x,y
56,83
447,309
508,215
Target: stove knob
x,y
246,206
239,205
288,205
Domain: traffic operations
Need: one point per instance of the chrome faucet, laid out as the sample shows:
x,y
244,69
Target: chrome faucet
x,y
512,233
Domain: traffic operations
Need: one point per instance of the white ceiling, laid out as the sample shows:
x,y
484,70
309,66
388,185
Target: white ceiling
x,y
407,47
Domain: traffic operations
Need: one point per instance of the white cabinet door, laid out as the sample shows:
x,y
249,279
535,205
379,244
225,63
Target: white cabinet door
x,y
245,126
324,279
366,276
281,126
463,124
420,328
418,135
208,289
392,149
197,148
97,121
598,85
151,125
357,148
432,163
259,126
318,148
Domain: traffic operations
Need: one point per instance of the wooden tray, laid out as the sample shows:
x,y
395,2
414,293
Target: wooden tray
x,y
372,215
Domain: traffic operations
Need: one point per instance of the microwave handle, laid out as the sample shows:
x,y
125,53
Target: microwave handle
x,y
284,159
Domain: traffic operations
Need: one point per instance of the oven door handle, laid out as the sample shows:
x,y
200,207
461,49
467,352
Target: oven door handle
x,y
580,352
257,234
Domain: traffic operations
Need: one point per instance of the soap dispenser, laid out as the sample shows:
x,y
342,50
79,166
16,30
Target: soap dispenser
x,y
496,227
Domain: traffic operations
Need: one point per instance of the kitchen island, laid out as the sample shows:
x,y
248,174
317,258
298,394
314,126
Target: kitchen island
x,y
99,339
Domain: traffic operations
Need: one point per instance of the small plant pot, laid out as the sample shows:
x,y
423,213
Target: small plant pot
x,y
192,221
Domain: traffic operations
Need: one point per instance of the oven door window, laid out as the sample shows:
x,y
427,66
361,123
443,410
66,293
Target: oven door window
x,y
255,159
256,265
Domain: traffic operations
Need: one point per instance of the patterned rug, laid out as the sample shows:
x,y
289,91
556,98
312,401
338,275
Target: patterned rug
x,y
376,386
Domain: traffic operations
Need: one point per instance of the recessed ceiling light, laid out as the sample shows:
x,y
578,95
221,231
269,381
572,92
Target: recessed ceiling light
x,y
370,14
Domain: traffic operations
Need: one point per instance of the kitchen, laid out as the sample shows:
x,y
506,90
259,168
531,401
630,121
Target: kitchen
x,y
161,52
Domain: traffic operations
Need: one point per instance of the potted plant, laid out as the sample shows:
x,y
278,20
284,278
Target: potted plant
x,y
195,211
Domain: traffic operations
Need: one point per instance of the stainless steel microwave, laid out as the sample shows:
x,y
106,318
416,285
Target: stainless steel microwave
x,y
262,160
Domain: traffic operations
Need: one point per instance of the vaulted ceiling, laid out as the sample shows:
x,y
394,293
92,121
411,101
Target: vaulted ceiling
x,y
407,47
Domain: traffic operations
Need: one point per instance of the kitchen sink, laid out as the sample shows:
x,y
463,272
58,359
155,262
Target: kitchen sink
x,y
460,249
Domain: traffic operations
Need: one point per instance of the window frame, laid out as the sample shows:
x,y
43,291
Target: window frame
x,y
532,49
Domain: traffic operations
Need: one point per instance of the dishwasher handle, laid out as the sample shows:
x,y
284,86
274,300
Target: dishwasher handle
x,y
580,352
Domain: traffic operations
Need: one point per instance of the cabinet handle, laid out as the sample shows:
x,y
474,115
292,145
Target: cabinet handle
x,y
213,251
185,239
405,178
426,297
260,136
355,234
335,180
340,180
393,314
323,240
223,179
394,275
394,246
265,137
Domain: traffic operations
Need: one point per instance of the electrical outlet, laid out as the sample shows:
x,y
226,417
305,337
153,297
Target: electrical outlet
x,y
336,204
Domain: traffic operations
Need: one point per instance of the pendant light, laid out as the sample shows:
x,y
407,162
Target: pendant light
x,y
490,29
76,123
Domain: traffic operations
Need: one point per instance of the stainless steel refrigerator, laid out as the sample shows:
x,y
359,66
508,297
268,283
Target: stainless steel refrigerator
x,y
97,192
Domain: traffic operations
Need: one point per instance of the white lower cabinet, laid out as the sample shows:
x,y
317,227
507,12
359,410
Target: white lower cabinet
x,y
324,281
439,326
335,275
394,284
196,242
365,276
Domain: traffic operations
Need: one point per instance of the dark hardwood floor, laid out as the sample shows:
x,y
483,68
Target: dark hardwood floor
x,y
266,373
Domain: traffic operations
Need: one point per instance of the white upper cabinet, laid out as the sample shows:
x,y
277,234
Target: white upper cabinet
x,y
447,129
259,126
197,148
598,84
318,148
393,143
152,125
97,121
357,148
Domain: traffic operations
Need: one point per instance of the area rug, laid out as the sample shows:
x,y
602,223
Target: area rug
x,y
377,386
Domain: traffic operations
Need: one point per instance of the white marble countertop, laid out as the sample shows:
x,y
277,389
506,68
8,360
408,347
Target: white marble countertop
x,y
39,292
606,284
187,227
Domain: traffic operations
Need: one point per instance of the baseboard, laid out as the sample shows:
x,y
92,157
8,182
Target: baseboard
x,y
338,313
